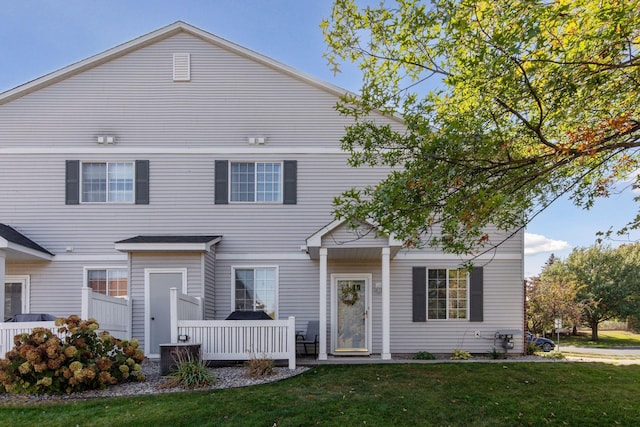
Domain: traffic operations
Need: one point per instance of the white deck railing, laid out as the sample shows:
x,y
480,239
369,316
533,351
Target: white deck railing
x,y
242,339
113,314
10,329
231,339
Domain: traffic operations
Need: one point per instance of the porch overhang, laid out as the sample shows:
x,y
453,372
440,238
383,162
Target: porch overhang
x,y
168,243
354,249
19,248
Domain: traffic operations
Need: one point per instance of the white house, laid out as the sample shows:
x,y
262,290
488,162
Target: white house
x,y
180,159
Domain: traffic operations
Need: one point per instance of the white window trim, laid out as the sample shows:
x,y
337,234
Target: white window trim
x,y
255,182
448,319
85,275
82,201
26,289
254,267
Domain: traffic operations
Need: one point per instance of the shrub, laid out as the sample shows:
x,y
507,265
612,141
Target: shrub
x,y
83,359
424,355
460,355
190,372
531,349
259,368
495,354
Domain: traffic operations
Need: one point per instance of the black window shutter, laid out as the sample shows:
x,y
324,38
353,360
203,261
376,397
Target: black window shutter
x,y
476,311
142,182
419,294
290,181
72,182
222,182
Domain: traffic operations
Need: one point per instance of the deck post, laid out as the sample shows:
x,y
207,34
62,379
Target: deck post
x,y
173,314
3,256
85,309
291,342
322,351
386,305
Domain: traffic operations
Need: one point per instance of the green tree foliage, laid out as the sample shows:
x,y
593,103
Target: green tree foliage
x,y
530,100
552,295
608,280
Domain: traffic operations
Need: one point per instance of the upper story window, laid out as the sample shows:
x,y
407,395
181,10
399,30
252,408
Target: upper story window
x,y
112,282
107,182
256,182
447,294
267,182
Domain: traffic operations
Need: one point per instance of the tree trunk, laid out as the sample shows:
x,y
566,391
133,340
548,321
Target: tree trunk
x,y
574,331
594,331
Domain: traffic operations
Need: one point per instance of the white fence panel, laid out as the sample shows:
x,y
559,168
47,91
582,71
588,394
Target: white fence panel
x,y
10,329
182,307
242,339
113,314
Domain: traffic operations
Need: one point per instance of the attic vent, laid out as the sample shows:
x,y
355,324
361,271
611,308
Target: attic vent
x,y
181,67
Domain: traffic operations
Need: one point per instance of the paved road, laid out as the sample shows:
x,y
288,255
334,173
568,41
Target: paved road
x,y
631,352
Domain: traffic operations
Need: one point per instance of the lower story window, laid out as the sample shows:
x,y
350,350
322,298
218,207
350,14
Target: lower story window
x,y
110,282
255,289
447,294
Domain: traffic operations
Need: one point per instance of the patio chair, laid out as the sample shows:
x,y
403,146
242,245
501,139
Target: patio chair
x,y
310,337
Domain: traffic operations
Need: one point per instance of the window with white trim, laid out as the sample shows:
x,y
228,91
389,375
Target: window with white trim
x,y
255,289
447,293
256,182
108,182
112,282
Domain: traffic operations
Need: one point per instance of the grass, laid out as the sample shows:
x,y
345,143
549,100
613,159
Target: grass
x,y
606,339
476,394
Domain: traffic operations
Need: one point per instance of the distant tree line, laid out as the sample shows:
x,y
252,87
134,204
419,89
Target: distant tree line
x,y
592,285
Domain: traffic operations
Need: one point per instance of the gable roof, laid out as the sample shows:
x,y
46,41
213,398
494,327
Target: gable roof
x,y
151,38
12,239
356,249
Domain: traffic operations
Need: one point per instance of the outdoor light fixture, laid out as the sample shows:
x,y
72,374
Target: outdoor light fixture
x,y
259,141
106,139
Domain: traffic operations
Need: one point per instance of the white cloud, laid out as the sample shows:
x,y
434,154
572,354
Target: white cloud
x,y
537,244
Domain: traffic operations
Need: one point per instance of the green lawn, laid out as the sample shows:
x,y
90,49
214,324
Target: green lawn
x,y
476,394
606,339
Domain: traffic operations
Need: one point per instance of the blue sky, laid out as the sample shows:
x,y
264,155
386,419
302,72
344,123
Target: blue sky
x,y
41,36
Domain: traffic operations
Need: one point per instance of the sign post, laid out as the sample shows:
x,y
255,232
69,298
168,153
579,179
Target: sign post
x,y
558,325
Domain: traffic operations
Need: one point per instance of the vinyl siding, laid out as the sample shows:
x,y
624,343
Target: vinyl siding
x,y
182,128
209,284
56,287
503,309
152,260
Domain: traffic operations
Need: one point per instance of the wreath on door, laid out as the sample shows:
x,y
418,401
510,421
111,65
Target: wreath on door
x,y
349,295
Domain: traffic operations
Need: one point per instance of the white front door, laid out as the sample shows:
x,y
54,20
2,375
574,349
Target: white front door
x,y
16,291
158,283
351,314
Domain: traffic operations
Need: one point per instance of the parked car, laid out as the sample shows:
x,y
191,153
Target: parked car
x,y
544,344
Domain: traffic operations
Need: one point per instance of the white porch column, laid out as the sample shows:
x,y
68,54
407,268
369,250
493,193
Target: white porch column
x,y
386,304
322,351
3,259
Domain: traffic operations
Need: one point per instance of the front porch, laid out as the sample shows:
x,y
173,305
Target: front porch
x,y
346,296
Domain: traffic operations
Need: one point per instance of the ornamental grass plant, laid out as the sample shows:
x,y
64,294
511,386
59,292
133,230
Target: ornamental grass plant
x,y
83,359
190,372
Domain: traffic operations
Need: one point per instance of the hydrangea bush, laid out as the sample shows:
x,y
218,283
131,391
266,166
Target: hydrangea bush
x,y
83,359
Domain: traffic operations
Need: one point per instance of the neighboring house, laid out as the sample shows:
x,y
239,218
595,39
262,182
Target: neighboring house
x,y
182,160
